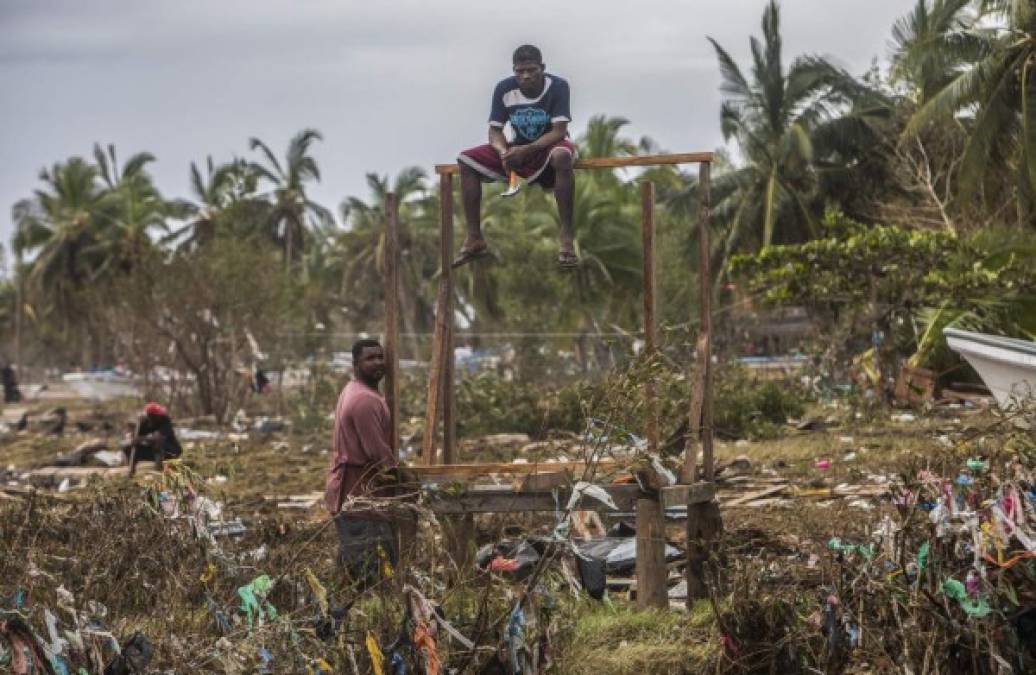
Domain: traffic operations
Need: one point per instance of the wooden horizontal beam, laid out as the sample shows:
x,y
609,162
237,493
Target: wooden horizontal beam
x,y
617,162
492,499
464,471
682,495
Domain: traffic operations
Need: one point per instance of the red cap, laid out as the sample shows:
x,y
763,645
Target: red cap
x,y
155,410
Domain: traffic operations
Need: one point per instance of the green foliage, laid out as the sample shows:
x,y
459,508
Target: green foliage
x,y
489,404
889,276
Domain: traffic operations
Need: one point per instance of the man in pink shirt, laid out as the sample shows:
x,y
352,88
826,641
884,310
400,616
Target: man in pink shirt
x,y
362,453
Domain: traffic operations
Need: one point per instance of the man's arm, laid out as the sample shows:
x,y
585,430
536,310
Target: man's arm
x,y
515,156
497,139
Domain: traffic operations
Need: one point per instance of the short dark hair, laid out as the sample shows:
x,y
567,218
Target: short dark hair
x,y
527,53
362,344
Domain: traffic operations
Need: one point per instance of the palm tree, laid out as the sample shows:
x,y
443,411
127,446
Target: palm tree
x,y
137,209
997,96
291,205
212,195
360,252
59,229
774,117
932,44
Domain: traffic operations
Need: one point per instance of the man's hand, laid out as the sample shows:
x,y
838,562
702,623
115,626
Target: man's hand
x,y
515,157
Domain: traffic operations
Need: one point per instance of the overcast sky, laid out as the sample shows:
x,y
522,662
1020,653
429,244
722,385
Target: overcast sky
x,y
390,83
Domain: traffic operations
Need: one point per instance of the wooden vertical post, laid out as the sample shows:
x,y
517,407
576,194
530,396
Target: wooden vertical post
x,y
449,422
443,322
703,519
651,569
705,277
647,233
391,284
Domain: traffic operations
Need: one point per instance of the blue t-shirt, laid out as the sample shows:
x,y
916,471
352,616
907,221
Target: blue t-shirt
x,y
529,117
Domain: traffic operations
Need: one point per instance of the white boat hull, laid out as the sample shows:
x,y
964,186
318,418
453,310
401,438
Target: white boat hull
x,y
1006,365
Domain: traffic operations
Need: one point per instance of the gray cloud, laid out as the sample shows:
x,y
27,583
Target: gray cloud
x,y
391,84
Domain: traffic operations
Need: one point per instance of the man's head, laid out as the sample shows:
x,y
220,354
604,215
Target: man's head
x,y
529,69
368,361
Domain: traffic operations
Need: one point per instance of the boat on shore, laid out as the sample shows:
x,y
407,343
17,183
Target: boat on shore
x,y
1006,365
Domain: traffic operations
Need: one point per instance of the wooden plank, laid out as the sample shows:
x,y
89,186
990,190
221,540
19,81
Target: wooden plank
x,y
433,402
705,290
615,162
475,470
391,281
744,499
689,470
431,415
682,495
492,499
650,566
449,421
647,235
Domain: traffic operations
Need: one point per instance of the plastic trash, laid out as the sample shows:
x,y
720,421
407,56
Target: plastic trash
x,y
319,592
253,600
977,465
377,658
835,544
956,591
136,654
590,490
822,464
265,658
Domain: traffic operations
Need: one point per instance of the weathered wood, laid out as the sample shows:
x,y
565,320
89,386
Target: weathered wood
x,y
391,283
443,318
689,470
449,422
705,290
704,524
651,569
466,471
544,482
433,400
681,495
492,499
616,162
765,492
647,236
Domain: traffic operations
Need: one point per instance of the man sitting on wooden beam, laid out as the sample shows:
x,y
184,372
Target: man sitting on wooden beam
x,y
361,459
536,105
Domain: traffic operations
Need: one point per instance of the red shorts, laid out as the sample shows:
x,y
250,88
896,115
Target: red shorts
x,y
537,169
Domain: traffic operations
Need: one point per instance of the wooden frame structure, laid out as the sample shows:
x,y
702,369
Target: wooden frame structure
x,y
702,515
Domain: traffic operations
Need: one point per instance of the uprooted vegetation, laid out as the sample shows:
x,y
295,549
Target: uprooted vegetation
x,y
815,582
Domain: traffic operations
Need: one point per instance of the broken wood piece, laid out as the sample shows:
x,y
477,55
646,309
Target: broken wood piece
x,y
459,471
751,496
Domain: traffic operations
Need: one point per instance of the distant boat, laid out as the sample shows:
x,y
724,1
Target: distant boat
x,y
101,385
1006,365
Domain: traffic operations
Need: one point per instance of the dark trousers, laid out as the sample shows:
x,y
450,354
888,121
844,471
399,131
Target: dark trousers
x,y
362,541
